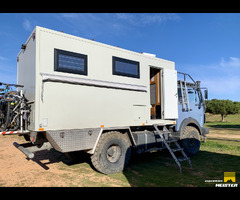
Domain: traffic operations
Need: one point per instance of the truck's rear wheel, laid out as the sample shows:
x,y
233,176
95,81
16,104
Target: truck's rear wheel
x,y
190,141
112,153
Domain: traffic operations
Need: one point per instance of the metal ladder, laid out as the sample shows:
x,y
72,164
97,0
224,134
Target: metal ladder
x,y
183,86
170,140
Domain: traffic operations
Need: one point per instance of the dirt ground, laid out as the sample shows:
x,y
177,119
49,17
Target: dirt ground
x,y
47,169
221,133
17,170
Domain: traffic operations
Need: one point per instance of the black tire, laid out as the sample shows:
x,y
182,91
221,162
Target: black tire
x,y
6,123
2,118
190,141
112,153
9,124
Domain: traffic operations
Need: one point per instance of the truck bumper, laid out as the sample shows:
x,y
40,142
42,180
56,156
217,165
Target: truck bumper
x,y
204,131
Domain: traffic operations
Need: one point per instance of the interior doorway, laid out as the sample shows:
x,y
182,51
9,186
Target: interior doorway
x,y
155,93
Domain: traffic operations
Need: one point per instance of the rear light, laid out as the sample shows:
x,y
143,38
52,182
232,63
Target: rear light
x,y
32,139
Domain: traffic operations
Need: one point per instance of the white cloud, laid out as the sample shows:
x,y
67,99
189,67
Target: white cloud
x,y
232,62
27,25
82,17
146,18
116,24
222,78
222,85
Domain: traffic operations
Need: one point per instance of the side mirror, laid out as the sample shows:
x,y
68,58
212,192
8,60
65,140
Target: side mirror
x,y
206,94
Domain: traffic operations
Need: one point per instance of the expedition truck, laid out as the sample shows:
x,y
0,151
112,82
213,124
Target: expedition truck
x,y
105,101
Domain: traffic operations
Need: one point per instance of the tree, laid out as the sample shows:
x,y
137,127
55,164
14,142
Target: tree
x,y
222,107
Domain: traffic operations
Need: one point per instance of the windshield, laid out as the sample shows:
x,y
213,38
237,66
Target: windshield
x,y
194,96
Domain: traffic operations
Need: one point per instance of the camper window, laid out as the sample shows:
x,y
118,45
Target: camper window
x,y
124,67
70,62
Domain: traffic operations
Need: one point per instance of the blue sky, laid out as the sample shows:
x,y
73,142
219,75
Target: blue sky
x,y
205,45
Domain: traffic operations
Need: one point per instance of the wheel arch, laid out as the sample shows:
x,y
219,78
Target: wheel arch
x,y
189,122
123,130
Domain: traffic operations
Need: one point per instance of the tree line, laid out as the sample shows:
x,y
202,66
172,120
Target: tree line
x,y
222,107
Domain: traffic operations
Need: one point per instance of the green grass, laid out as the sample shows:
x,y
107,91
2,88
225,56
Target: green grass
x,y
223,146
217,118
214,121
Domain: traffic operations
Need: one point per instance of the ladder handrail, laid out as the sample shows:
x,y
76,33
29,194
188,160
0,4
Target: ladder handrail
x,y
183,85
186,91
183,98
185,74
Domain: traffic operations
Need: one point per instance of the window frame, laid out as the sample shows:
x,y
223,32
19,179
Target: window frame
x,y
114,72
73,54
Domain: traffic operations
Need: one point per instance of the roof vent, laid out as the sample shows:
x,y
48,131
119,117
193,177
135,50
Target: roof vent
x,y
149,54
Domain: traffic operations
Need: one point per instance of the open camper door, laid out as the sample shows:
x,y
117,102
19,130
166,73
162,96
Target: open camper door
x,y
170,98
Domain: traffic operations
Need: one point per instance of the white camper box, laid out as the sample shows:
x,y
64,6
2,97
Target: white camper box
x,y
102,94
96,98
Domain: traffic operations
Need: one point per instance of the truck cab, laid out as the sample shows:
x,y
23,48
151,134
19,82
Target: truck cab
x,y
191,114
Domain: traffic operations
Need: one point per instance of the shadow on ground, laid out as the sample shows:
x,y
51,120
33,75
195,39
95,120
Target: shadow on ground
x,y
158,169
227,126
53,156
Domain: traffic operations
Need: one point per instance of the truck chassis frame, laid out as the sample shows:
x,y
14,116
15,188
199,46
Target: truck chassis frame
x,y
141,138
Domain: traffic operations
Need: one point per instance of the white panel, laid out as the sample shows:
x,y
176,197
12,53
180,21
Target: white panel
x,y
170,94
138,113
116,101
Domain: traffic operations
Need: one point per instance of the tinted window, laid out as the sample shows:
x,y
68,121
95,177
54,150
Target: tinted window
x,y
124,67
70,62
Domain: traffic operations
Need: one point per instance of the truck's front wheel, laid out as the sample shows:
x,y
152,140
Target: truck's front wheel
x,y
112,153
190,141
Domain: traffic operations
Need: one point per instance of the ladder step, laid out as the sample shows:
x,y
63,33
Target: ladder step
x,y
172,140
162,132
154,149
177,149
181,159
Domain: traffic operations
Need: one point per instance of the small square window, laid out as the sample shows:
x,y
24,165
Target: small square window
x,y
70,62
124,67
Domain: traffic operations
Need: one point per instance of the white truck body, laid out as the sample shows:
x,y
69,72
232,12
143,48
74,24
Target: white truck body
x,y
98,98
